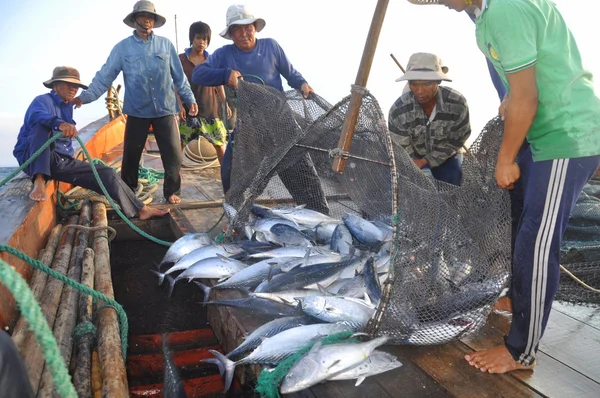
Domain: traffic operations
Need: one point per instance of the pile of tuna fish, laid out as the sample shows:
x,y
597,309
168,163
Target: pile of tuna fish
x,y
308,276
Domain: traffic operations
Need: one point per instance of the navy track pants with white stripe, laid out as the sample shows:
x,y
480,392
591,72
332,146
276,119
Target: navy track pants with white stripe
x,y
550,190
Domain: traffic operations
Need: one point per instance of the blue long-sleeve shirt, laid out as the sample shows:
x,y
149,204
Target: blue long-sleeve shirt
x,y
150,68
266,60
50,111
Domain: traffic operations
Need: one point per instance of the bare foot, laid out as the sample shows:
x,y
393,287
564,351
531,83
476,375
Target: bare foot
x,y
504,304
495,360
174,199
38,193
148,212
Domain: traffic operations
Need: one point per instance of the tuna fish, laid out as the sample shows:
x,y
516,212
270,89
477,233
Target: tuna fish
x,y
323,362
279,347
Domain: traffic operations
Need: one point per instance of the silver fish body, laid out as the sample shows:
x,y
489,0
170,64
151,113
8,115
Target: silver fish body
x,y
378,362
306,217
269,329
279,347
212,268
341,240
364,231
284,234
184,245
288,297
300,277
204,253
323,362
352,312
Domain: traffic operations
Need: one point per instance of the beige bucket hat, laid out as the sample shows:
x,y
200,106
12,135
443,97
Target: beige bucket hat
x,y
425,66
237,14
144,6
65,74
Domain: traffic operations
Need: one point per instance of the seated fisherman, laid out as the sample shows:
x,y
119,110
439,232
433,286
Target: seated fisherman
x,y
51,113
432,121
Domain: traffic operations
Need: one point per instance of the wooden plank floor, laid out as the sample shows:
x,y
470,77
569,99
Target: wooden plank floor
x,y
568,359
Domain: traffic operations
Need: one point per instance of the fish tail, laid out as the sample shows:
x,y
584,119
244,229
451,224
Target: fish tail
x,y
172,282
161,276
379,341
229,366
205,289
216,362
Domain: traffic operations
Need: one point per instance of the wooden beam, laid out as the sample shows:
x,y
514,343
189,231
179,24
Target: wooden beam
x,y
339,163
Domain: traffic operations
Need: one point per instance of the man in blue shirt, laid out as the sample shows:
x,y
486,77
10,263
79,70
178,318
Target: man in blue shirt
x,y
151,68
53,113
262,58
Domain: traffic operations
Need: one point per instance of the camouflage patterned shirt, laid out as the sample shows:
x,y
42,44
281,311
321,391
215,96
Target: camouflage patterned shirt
x,y
437,139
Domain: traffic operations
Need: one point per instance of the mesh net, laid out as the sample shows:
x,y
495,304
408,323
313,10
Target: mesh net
x,y
580,251
452,245
270,168
453,251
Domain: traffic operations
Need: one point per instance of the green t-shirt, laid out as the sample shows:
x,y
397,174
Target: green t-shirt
x,y
518,34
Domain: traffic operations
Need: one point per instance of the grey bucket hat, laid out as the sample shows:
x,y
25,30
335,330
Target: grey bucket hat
x,y
65,74
144,6
425,66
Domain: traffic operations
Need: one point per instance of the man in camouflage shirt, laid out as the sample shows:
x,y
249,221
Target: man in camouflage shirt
x,y
432,121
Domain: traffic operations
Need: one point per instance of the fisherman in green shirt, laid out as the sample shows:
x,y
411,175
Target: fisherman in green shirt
x,y
550,149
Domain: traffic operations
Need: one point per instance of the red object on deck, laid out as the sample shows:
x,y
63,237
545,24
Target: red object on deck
x,y
145,363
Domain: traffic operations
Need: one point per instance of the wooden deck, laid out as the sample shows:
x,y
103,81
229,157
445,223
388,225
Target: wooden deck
x,y
569,353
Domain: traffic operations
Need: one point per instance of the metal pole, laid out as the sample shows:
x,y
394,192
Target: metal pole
x,y
339,162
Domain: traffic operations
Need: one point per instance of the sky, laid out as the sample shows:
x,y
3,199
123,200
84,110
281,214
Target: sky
x,y
324,40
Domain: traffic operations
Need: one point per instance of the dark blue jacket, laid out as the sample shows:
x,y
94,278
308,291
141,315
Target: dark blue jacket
x,y
266,60
50,111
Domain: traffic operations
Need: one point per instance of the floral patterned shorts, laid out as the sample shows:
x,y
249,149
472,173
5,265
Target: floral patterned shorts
x,y
212,129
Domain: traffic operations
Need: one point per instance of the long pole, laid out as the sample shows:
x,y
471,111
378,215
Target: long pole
x,y
176,39
339,162
398,63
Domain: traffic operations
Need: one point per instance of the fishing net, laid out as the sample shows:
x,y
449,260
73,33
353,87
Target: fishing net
x,y
452,245
273,163
580,251
453,249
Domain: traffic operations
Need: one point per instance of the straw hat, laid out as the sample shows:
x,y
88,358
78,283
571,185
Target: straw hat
x,y
65,74
144,6
238,15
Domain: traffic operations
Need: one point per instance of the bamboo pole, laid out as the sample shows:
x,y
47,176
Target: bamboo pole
x,y
114,377
96,375
398,63
82,377
339,162
38,282
31,353
64,326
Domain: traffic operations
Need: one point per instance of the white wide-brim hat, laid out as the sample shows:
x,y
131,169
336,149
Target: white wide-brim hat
x,y
425,66
144,6
238,15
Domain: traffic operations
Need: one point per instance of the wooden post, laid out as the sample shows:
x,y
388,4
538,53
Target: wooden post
x,y
38,283
31,353
82,377
96,375
64,326
114,377
339,163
